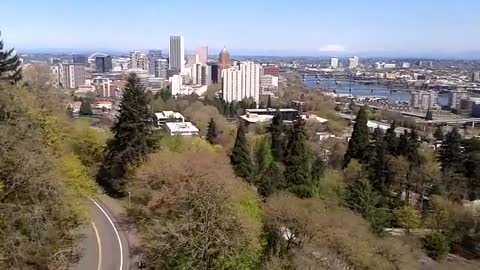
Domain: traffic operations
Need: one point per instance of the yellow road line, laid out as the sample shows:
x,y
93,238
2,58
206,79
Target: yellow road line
x,y
99,246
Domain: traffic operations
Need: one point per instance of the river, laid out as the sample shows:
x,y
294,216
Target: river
x,y
362,90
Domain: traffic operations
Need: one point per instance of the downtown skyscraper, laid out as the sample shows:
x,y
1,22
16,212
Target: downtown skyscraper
x,y
176,53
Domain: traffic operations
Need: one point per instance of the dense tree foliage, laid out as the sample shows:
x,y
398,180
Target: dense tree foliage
x,y
130,141
41,183
195,214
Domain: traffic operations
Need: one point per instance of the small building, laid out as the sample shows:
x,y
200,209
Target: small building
x,y
104,105
181,129
164,117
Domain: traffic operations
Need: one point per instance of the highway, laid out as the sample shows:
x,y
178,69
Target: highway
x,y
104,246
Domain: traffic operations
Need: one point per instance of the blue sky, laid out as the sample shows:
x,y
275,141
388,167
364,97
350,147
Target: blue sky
x,y
306,27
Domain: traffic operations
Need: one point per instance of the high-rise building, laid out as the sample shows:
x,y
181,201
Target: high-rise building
x,y
161,67
271,69
214,73
73,75
241,82
153,56
205,75
423,100
353,62
176,53
334,63
103,64
224,59
405,65
79,59
455,97
202,53
138,60
175,84
476,76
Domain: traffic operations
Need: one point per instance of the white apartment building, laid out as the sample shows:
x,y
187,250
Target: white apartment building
x,y
455,97
241,82
201,74
161,67
334,63
138,60
72,75
268,81
423,100
353,62
176,85
176,53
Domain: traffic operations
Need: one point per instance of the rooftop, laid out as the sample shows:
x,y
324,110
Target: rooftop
x,y
181,127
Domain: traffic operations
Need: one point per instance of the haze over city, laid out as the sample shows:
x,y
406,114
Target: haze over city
x,y
306,27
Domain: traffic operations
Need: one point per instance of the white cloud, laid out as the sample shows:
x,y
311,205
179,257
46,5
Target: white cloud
x,y
332,48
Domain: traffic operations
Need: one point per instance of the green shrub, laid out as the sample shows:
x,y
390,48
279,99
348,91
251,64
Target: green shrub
x,y
436,245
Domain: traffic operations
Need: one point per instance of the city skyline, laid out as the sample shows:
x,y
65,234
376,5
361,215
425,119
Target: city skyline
x,y
308,28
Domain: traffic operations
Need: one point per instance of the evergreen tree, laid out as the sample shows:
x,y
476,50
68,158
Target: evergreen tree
x,y
272,180
402,145
362,199
263,155
85,108
429,116
451,157
10,66
379,164
240,157
166,94
438,135
391,139
278,140
297,162
130,142
358,144
413,144
269,102
318,170
212,132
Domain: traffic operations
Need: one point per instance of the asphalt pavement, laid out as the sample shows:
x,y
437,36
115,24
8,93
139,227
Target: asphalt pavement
x,y
104,246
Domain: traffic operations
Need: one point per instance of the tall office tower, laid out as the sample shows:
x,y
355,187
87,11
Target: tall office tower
x,y
224,59
455,97
202,53
205,75
153,56
334,62
79,59
214,72
175,84
476,76
161,67
241,82
176,53
423,100
353,62
103,64
138,60
196,73
73,75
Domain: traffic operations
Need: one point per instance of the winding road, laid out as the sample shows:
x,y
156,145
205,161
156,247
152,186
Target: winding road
x,y
105,247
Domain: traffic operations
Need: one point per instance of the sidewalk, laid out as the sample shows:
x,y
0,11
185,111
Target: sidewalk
x,y
124,225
